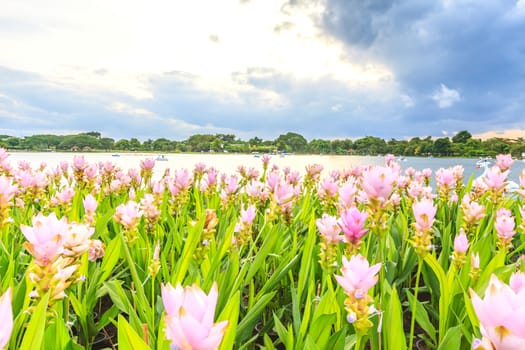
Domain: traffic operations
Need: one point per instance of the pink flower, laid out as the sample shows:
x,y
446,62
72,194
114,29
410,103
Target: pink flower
x,y
90,204
426,173
328,188
358,276
283,193
461,243
231,185
329,228
3,154
517,281
378,182
314,170
265,160
272,178
147,164
474,261
128,214
445,177
6,317
79,163
457,172
248,215
410,172
90,171
182,180
65,196
395,198
256,189
76,239
347,193
293,177
389,159
501,314
495,178
352,223
424,212
45,238
472,211
96,250
189,317
7,191
504,161
149,207
504,225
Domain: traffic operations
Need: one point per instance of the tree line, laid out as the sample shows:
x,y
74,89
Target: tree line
x,y
461,145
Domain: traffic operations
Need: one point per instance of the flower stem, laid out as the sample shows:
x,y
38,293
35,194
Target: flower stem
x,y
414,304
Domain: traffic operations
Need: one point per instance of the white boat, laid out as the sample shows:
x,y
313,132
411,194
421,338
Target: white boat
x,y
483,162
161,158
115,155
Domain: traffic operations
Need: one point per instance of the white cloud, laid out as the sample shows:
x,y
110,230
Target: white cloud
x,y
445,97
407,101
337,107
134,40
125,108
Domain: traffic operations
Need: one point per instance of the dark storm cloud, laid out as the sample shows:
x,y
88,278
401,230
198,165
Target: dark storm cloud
x,y
475,48
355,20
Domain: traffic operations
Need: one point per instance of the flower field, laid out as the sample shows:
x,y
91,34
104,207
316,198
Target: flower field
x,y
95,257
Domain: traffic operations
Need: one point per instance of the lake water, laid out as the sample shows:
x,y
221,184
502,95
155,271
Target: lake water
x,y
228,163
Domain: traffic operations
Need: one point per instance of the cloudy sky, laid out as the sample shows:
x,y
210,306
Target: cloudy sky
x,y
322,68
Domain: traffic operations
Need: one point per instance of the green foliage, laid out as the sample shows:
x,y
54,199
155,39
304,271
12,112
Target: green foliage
x,y
461,145
273,291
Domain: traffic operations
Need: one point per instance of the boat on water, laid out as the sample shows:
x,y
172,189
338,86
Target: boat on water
x,y
483,162
162,158
115,155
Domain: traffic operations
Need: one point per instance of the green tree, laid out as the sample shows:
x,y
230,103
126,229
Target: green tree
x,y
255,141
122,145
370,145
95,134
442,147
107,143
319,146
292,142
200,142
163,144
80,141
461,137
134,144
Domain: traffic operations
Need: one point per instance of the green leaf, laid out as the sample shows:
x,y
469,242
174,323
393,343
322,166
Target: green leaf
x,y
35,329
56,333
452,339
245,326
192,240
230,313
444,298
282,332
268,342
422,318
394,334
128,338
261,255
110,259
321,328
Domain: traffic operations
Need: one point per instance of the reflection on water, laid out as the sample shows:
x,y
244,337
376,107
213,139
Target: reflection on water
x,y
228,163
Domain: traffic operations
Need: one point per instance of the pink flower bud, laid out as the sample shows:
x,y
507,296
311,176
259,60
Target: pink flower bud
x,y
461,243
